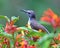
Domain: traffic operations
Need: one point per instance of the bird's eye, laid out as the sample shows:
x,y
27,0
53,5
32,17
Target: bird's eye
x,y
28,13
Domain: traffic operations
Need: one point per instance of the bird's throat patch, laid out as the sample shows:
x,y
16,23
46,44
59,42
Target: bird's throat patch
x,y
29,24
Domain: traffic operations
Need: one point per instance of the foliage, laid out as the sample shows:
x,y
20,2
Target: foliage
x,y
12,36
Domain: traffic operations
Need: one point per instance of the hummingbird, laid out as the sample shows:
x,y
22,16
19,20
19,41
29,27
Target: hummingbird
x,y
33,22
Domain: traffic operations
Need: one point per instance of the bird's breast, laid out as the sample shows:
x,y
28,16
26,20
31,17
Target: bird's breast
x,y
29,26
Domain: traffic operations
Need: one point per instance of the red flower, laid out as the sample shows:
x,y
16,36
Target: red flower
x,y
10,27
24,44
32,46
51,17
17,44
6,41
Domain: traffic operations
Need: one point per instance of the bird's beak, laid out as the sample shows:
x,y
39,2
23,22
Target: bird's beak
x,y
24,10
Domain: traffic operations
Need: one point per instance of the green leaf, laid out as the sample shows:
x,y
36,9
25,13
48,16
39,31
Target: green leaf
x,y
13,18
6,35
31,42
24,28
44,42
1,25
1,28
58,30
4,46
11,43
35,34
15,34
58,46
4,17
1,40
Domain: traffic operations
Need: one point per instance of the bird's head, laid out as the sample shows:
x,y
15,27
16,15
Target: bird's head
x,y
30,13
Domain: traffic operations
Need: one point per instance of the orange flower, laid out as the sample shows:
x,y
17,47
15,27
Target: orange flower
x,y
10,28
24,44
35,38
51,17
46,18
54,45
57,38
18,36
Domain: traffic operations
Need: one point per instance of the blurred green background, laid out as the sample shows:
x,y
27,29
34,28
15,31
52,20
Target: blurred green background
x,y
13,7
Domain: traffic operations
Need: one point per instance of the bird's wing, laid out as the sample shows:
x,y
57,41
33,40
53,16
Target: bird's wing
x,y
35,25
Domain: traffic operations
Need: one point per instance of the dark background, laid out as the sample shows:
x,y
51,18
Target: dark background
x,y
12,8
